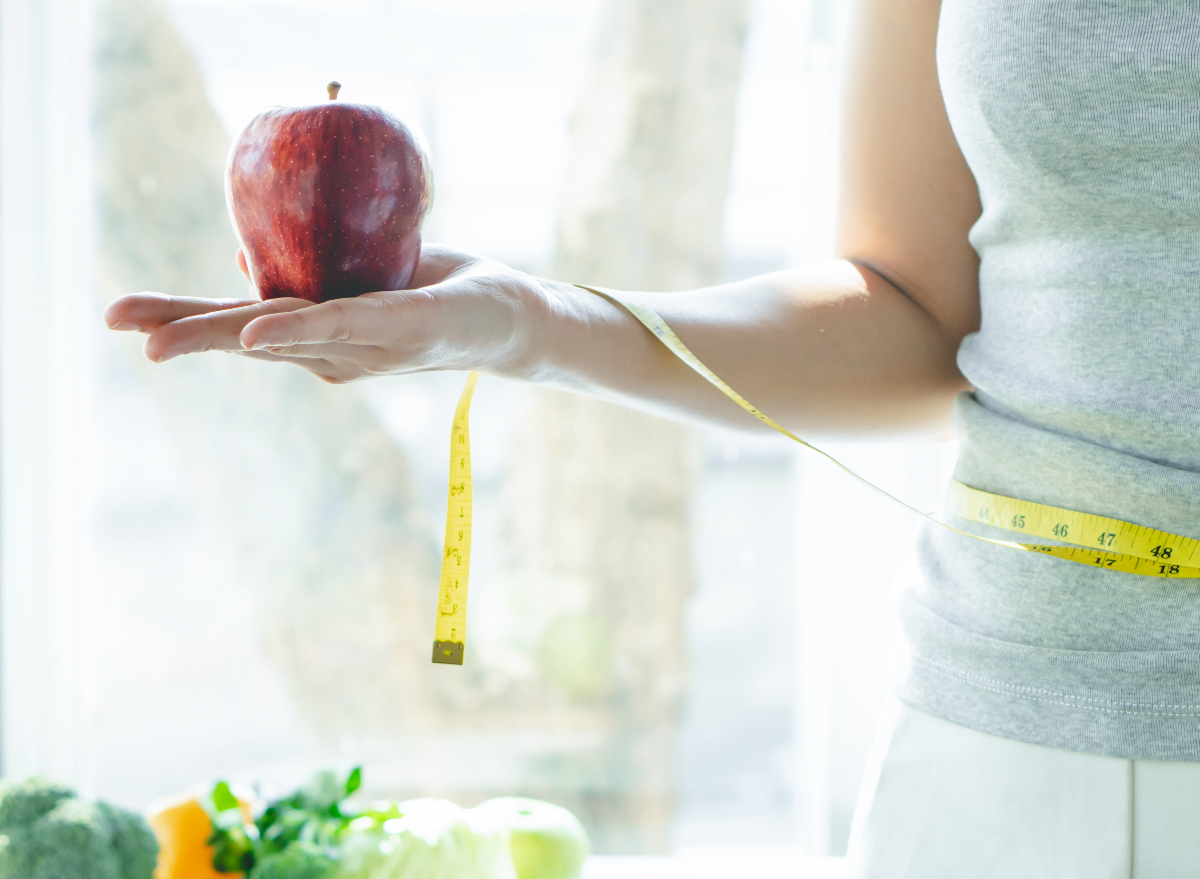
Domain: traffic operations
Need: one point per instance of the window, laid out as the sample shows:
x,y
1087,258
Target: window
x,y
216,568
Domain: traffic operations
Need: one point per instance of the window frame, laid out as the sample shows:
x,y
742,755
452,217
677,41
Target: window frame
x,y
48,313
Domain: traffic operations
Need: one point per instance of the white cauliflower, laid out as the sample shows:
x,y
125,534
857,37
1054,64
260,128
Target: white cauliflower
x,y
434,839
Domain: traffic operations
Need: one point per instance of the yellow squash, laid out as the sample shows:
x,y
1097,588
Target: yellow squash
x,y
183,828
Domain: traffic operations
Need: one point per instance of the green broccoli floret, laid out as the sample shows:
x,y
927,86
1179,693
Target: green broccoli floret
x,y
133,841
46,833
72,841
23,802
13,855
300,860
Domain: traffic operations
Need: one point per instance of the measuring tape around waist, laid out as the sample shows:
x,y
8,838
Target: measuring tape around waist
x,y
1127,547
1093,540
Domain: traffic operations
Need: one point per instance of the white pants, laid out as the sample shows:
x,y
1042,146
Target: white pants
x,y
940,801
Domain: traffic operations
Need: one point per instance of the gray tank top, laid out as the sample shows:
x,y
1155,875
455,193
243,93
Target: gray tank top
x,y
1080,120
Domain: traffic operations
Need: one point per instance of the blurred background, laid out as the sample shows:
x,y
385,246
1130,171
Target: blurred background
x,y
223,568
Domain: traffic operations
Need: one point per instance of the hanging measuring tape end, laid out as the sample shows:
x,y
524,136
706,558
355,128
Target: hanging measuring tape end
x,y
450,632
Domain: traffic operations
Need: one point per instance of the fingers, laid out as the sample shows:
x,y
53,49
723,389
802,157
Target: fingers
x,y
340,340
144,312
214,330
365,320
321,368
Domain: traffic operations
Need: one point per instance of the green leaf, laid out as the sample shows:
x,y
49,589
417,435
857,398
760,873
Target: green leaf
x,y
383,812
233,852
223,798
315,816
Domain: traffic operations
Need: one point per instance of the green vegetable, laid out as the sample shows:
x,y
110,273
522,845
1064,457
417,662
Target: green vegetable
x,y
72,841
429,839
317,833
306,827
23,802
133,841
46,833
299,861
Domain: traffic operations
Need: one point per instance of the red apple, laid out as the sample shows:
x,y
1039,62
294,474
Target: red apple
x,y
328,200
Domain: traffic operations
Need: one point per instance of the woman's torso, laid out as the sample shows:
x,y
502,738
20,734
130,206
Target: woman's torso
x,y
1080,120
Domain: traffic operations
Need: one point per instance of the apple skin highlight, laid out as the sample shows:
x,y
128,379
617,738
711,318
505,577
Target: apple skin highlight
x,y
328,200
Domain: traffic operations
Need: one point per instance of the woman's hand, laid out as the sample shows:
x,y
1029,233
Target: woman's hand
x,y
465,312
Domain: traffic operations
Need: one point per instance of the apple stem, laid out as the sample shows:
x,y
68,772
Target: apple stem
x,y
333,88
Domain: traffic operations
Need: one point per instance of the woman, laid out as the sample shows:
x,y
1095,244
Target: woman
x,y
1035,163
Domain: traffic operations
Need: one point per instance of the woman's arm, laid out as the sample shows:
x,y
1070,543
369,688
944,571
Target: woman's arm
x,y
865,344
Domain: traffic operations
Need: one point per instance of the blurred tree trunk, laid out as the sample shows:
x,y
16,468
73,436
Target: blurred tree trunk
x,y
598,497
314,491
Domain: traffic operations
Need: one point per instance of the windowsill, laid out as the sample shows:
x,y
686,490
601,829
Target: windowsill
x,y
717,863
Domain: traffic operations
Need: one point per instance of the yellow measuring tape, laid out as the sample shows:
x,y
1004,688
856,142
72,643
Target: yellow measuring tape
x,y
1097,540
450,633
1131,548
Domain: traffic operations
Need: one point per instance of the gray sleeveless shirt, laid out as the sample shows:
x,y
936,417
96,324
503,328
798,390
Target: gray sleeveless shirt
x,y
1080,120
